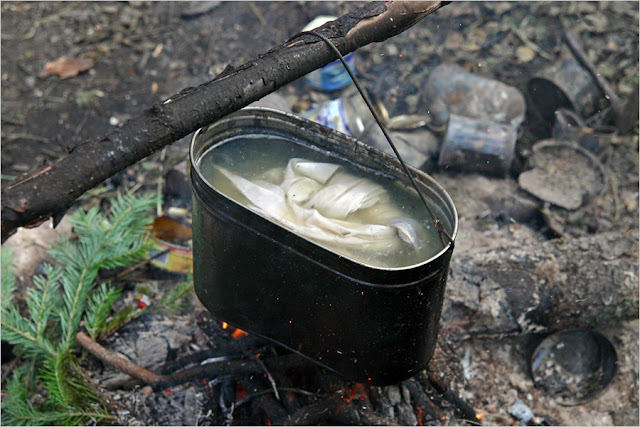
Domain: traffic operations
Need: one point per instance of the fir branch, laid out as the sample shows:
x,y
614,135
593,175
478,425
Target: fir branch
x,y
175,300
20,332
66,387
76,289
18,410
8,279
111,242
65,295
99,307
120,319
40,298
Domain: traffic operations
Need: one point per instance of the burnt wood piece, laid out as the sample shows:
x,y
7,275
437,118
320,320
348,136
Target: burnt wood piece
x,y
542,287
30,200
334,410
162,382
422,403
617,105
236,368
265,406
463,409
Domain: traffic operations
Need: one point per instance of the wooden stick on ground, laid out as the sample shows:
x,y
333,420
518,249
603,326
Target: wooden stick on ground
x,y
116,361
52,190
163,382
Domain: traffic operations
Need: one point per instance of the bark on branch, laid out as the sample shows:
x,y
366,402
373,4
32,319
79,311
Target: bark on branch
x,y
53,189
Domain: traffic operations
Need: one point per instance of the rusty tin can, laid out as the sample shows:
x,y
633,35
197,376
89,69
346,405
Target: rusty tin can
x,y
366,323
477,146
450,89
564,84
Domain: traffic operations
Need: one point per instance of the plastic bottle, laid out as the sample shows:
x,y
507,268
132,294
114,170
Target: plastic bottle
x,y
332,76
349,114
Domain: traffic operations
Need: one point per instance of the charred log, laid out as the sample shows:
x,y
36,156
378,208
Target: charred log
x,y
587,282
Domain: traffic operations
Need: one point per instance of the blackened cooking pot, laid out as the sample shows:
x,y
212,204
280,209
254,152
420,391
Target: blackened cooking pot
x,y
366,323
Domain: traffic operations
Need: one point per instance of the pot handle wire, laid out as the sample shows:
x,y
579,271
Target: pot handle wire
x,y
436,221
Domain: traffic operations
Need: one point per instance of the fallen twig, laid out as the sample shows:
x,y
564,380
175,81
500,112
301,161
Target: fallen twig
x,y
463,408
116,361
139,264
12,364
163,382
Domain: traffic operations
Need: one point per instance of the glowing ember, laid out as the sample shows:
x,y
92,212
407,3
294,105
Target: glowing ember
x,y
356,391
238,333
241,393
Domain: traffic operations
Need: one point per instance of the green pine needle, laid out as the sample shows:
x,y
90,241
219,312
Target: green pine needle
x,y
118,320
17,408
8,278
61,298
176,300
99,308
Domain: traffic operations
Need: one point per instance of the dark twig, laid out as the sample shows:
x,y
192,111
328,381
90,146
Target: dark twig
x,y
466,412
12,364
14,136
162,382
137,265
334,410
269,377
270,390
420,399
315,413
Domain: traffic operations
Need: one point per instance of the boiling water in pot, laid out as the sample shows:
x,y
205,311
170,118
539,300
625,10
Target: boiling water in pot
x,y
365,216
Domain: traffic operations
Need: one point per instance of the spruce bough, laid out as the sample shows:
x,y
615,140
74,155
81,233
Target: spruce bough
x,y
63,297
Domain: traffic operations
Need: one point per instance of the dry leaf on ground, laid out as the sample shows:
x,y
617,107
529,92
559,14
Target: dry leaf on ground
x,y
66,66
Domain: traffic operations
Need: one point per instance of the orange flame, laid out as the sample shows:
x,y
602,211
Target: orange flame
x,y
238,333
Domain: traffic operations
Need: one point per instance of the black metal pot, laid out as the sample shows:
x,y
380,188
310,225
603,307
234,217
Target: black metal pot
x,y
368,324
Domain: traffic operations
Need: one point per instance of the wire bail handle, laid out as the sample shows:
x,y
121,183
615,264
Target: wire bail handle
x,y
436,220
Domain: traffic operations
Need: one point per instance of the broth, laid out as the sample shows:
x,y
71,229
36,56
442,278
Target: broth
x,y
362,215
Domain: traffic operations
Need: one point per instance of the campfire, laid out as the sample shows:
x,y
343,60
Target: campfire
x,y
526,117
267,384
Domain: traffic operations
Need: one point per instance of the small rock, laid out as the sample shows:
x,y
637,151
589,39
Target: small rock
x,y
520,410
393,392
406,396
406,416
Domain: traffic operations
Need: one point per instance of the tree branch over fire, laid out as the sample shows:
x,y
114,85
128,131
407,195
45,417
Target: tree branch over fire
x,y
30,200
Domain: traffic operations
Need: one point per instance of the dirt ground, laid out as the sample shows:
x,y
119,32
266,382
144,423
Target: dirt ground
x,y
136,54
